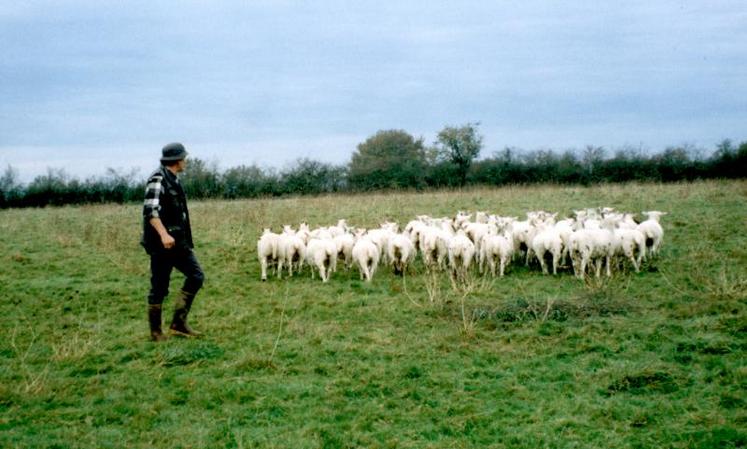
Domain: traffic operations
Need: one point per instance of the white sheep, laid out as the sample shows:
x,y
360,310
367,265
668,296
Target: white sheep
x,y
434,244
291,250
267,250
476,232
653,231
496,246
629,242
345,243
591,245
322,255
461,254
547,239
366,255
400,252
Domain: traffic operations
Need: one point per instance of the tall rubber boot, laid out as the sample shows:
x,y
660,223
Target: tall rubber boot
x,y
154,318
182,304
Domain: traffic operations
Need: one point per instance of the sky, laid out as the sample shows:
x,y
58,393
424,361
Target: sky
x,y
91,85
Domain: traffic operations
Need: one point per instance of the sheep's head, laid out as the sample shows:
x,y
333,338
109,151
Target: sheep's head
x,y
654,214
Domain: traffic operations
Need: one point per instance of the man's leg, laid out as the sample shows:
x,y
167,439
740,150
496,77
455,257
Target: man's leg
x,y
160,273
186,263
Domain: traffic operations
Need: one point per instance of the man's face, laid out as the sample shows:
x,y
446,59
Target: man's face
x,y
181,166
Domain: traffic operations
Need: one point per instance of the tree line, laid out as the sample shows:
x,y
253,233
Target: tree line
x,y
394,159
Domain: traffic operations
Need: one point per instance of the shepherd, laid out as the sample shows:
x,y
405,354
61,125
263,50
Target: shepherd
x,y
167,239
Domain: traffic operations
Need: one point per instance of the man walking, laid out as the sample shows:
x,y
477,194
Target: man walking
x,y
167,238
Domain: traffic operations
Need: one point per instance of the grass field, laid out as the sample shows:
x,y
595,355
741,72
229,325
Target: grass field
x,y
649,360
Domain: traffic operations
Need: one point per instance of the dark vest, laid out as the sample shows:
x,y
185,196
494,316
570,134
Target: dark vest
x,y
174,214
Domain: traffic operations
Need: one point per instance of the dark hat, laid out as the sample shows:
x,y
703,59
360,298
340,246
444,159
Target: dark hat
x,y
173,152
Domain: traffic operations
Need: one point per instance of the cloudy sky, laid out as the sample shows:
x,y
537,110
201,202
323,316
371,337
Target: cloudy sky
x,y
87,85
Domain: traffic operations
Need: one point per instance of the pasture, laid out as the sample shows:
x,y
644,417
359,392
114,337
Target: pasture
x,y
654,359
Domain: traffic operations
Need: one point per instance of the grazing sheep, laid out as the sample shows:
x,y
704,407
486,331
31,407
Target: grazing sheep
x,y
591,245
267,250
547,239
628,242
380,237
345,243
291,250
653,232
366,254
496,246
476,232
461,254
434,244
401,252
322,255
520,234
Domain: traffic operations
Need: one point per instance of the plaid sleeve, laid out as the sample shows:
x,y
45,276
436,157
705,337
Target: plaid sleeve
x,y
152,204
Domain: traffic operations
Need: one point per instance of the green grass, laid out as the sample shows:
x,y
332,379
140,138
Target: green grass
x,y
655,359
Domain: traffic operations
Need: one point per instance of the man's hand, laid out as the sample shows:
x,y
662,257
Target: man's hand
x,y
167,240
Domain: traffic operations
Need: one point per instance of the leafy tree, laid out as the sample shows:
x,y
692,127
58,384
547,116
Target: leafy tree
x,y
388,159
248,182
10,188
308,176
460,146
202,179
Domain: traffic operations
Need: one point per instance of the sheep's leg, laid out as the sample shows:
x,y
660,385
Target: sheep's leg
x,y
598,267
543,265
529,256
635,264
555,260
263,265
609,262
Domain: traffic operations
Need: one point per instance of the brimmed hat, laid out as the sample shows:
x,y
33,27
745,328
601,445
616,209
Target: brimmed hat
x,y
173,152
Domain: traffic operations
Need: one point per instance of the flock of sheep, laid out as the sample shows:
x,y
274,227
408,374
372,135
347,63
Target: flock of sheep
x,y
592,238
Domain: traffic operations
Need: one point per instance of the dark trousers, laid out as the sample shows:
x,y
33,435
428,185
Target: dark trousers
x,y
162,264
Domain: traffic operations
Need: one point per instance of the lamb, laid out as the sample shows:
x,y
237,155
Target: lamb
x,y
476,232
291,249
630,243
345,243
496,246
267,250
565,229
547,239
591,245
322,255
520,234
434,244
380,237
304,232
366,254
653,231
461,254
340,229
401,252
461,219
